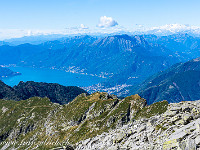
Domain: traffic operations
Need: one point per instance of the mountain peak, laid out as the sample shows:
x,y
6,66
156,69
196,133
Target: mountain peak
x,y
123,40
124,36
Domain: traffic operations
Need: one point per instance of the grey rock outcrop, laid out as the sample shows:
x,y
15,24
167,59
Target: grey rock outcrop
x,y
178,128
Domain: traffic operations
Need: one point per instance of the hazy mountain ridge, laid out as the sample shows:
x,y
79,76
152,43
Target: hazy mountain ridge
x,y
123,59
106,51
183,44
119,54
178,83
101,120
16,54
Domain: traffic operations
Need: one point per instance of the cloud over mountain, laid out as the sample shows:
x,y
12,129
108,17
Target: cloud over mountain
x,y
106,22
82,26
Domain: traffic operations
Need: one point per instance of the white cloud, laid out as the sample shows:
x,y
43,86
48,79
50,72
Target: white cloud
x,y
82,26
106,22
77,28
102,28
174,28
18,33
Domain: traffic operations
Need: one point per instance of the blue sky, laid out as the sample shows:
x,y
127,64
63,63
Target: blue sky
x,y
60,14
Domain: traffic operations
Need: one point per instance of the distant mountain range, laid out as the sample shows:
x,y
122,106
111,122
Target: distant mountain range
x,y
170,29
35,40
180,82
107,56
20,36
125,60
38,115
55,92
16,54
184,45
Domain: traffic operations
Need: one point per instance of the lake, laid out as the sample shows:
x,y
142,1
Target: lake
x,y
51,76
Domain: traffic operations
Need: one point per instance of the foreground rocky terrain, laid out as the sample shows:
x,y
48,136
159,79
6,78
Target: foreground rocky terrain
x,y
99,121
178,128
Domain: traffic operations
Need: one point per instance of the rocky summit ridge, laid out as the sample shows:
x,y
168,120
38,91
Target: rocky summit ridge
x,y
99,121
178,128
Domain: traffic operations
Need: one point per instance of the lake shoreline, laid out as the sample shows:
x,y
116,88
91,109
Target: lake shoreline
x,y
51,76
